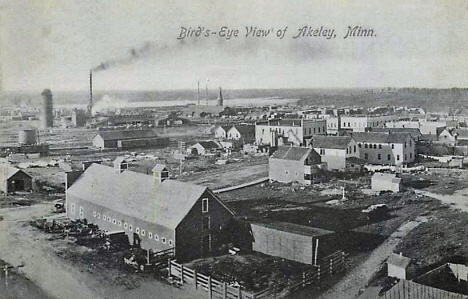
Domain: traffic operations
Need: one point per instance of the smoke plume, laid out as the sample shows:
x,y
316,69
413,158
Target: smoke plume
x,y
134,54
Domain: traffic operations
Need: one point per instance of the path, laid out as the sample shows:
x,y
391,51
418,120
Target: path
x,y
459,199
357,279
20,243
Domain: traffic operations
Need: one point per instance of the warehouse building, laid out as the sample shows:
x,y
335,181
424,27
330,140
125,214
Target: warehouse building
x,y
128,139
156,214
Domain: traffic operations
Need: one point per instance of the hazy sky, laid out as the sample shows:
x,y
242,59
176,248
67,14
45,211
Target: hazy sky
x,y
53,44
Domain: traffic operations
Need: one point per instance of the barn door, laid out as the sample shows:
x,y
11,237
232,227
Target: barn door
x,y
206,245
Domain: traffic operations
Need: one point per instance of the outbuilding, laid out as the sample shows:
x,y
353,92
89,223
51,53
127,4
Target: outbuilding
x,y
397,266
13,179
386,182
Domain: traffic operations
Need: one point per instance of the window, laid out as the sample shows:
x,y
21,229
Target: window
x,y
398,157
94,214
150,235
205,205
354,148
380,146
405,144
130,227
378,156
156,237
206,223
314,130
393,146
142,232
366,156
109,219
411,155
114,221
365,145
170,242
81,209
163,240
346,150
375,146
319,129
137,230
360,145
104,217
388,157
125,225
120,223
406,157
73,208
410,143
98,215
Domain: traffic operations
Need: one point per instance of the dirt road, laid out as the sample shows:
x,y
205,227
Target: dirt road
x,y
458,200
357,279
20,243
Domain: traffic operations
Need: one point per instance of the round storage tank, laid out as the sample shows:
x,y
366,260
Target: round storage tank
x,y
27,137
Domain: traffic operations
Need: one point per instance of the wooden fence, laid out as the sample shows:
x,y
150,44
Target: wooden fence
x,y
329,266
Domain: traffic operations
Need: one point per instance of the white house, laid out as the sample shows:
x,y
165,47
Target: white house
x,y
221,131
334,150
386,148
295,131
246,133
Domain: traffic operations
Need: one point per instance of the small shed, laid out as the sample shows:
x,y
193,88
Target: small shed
x,y
160,173
386,182
13,179
398,265
120,164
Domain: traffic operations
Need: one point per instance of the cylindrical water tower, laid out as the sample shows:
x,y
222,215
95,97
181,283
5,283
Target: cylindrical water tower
x,y
47,113
27,137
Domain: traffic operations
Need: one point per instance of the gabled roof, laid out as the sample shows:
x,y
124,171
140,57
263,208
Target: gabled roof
x,y
414,132
119,160
335,142
225,128
376,137
398,260
295,228
245,129
137,195
292,153
159,167
126,134
209,144
10,171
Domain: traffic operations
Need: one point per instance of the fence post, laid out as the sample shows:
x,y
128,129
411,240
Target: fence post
x,y
239,293
195,278
169,267
342,260
224,290
209,288
182,273
303,279
318,273
331,267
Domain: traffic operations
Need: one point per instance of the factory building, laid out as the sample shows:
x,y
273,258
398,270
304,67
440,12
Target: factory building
x,y
128,139
156,214
78,118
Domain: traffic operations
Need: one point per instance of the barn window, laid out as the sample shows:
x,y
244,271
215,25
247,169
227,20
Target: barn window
x,y
94,214
163,240
150,235
114,221
156,237
142,232
120,223
109,219
205,205
130,227
98,215
170,242
73,208
104,217
125,225
137,230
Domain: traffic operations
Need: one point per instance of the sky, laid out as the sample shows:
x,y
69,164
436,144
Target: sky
x,y
54,43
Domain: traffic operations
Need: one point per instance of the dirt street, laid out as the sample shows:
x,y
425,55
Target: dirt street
x,y
21,243
458,200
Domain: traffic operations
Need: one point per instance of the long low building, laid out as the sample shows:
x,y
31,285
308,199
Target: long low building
x,y
128,139
156,214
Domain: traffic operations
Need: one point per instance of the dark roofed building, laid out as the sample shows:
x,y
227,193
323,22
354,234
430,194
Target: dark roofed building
x,y
13,179
156,215
204,148
414,132
127,139
295,164
246,133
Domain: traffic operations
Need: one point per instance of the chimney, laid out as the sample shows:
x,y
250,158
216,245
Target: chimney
x,y
90,107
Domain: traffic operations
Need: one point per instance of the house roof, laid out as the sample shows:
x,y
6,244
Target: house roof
x,y
291,153
377,137
137,194
399,260
335,142
283,122
159,167
295,228
10,171
462,133
225,128
411,289
245,129
414,132
126,134
119,160
209,144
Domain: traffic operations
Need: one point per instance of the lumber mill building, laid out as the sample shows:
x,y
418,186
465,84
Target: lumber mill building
x,y
154,212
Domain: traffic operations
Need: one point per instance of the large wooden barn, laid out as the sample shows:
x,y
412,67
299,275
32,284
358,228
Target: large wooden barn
x,y
156,214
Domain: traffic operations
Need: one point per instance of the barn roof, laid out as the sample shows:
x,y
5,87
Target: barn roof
x,y
295,228
378,137
398,260
291,153
335,142
126,134
137,194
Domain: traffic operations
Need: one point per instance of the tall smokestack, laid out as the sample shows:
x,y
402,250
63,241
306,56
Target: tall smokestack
x,y
220,98
90,91
48,107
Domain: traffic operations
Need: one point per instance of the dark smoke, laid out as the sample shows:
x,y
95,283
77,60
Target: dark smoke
x,y
134,54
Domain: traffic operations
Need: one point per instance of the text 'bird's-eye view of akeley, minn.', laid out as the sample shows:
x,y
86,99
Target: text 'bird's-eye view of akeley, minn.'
x,y
233,149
